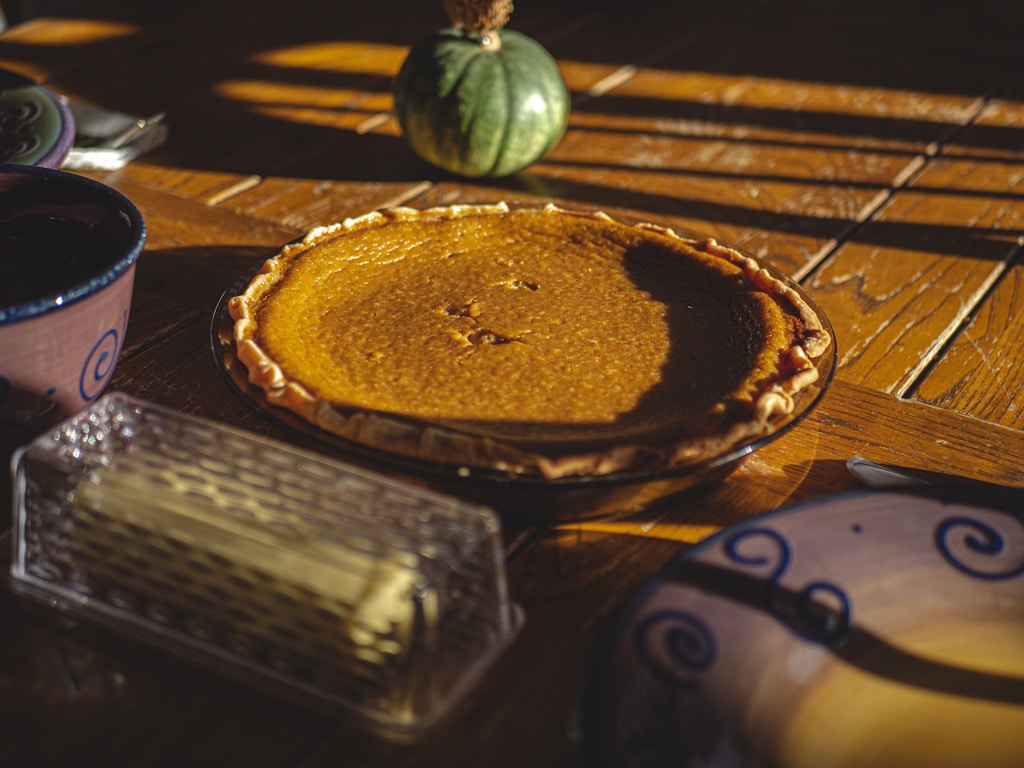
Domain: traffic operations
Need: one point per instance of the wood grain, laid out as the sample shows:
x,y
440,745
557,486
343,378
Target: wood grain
x,y
981,373
890,329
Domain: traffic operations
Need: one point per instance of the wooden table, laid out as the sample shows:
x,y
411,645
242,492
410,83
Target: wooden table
x,y
874,151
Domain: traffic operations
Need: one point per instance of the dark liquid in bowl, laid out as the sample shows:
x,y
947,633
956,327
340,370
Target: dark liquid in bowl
x,y
48,248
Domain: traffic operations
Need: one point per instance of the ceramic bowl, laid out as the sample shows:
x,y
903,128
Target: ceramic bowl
x,y
68,249
36,126
879,628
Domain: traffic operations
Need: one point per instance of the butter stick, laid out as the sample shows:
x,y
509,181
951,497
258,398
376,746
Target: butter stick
x,y
269,569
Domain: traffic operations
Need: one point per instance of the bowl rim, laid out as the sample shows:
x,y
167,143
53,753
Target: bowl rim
x,y
33,308
65,138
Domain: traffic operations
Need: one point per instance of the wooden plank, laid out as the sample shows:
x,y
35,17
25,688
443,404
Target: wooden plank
x,y
982,371
210,248
214,98
74,694
791,113
912,45
209,187
889,328
304,204
996,134
780,167
47,49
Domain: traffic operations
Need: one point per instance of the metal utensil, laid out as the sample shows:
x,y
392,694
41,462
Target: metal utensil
x,y
876,475
106,140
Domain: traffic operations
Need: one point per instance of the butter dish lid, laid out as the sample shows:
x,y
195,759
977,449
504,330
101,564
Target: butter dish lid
x,y
313,579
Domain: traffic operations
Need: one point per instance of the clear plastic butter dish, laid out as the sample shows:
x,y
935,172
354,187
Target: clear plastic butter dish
x,y
313,578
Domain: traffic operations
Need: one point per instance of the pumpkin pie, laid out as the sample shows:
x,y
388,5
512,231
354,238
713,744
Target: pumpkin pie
x,y
540,342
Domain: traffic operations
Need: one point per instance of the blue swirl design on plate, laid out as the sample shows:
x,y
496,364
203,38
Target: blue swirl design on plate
x,y
99,363
782,554
983,540
820,612
675,645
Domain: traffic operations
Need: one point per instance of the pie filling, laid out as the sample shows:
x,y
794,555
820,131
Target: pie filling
x,y
541,341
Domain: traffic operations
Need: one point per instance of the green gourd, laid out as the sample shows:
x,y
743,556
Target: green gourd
x,y
476,101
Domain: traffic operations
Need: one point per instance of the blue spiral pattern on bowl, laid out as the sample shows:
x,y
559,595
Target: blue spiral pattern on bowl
x,y
674,645
96,372
805,612
99,363
732,551
983,540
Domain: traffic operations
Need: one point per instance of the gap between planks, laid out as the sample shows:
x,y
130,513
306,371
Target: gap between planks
x,y
902,180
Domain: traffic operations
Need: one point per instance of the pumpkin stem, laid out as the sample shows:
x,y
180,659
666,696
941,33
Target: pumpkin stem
x,y
482,18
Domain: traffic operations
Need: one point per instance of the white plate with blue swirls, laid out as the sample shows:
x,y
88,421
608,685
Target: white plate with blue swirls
x,y
879,628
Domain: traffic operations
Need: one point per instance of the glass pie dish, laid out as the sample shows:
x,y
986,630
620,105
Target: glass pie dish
x,y
640,442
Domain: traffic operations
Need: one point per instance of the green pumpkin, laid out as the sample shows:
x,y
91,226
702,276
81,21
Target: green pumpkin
x,y
476,110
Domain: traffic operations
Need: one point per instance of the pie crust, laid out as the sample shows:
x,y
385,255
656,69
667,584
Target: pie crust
x,y
540,342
